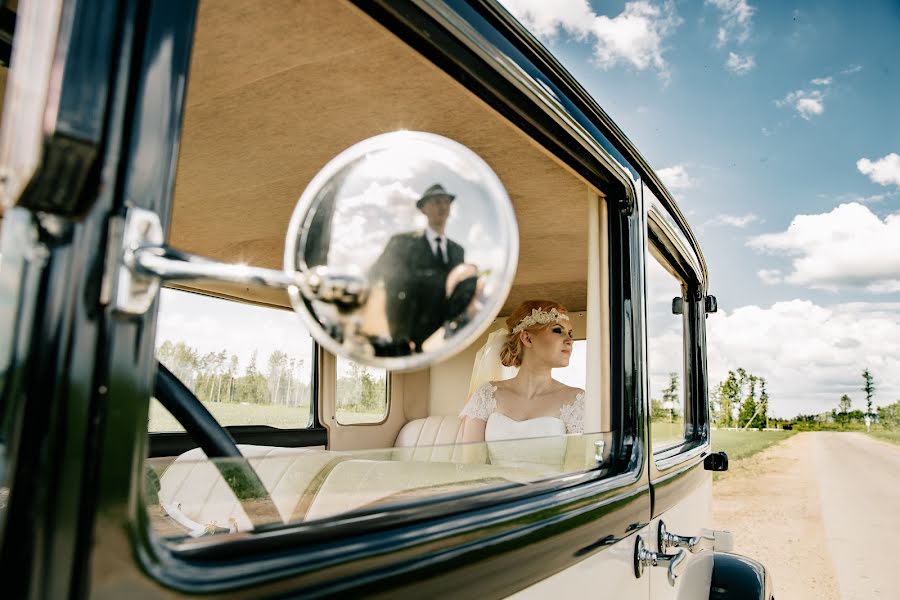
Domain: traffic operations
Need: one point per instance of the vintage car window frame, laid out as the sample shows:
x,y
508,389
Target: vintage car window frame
x,y
312,420
387,398
665,240
380,519
218,556
666,262
554,130
173,443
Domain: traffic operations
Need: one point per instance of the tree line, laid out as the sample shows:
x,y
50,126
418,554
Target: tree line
x,y
216,376
360,390
741,401
844,416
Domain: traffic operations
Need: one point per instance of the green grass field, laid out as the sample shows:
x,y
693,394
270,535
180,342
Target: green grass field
x,y
235,414
287,417
888,436
738,444
743,444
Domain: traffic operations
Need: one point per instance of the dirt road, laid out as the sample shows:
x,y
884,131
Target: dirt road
x,y
820,511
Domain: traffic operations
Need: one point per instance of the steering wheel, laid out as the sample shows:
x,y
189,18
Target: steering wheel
x,y
218,445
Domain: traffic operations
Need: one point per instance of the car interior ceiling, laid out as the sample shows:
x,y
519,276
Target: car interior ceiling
x,y
270,103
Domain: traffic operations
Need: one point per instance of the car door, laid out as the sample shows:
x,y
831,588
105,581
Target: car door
x,y
682,488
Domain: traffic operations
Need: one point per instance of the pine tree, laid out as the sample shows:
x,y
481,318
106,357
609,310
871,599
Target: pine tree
x,y
763,418
869,389
670,397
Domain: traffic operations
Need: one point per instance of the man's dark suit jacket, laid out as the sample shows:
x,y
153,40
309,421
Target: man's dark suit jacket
x,y
414,280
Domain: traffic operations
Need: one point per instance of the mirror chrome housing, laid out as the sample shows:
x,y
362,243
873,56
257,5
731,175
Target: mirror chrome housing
x,y
404,248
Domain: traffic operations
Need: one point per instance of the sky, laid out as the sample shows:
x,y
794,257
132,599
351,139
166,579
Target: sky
x,y
776,126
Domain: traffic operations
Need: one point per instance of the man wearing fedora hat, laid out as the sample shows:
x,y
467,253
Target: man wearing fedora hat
x,y
413,268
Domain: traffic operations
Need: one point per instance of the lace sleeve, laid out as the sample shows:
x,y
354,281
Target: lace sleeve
x,y
573,415
482,403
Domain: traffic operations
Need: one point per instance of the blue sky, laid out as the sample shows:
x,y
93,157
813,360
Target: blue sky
x,y
756,114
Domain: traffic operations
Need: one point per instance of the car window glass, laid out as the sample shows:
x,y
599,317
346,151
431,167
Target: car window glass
x,y
189,500
362,393
236,181
249,365
574,374
665,353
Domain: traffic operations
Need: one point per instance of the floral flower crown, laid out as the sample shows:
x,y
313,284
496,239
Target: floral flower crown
x,y
540,317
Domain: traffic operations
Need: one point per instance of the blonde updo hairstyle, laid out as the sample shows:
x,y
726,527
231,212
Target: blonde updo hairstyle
x,y
511,353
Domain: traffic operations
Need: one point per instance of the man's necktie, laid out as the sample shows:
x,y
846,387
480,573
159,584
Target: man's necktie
x,y
437,250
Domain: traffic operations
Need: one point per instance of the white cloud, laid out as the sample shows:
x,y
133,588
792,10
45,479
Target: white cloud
x,y
736,20
855,197
809,354
721,37
634,37
732,220
368,220
676,178
822,81
872,199
739,64
770,276
885,171
849,247
546,19
806,103
852,69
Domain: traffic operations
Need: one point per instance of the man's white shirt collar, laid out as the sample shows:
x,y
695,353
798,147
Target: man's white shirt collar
x,y
432,236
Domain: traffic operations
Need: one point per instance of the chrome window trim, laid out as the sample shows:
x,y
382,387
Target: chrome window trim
x,y
656,214
699,448
677,452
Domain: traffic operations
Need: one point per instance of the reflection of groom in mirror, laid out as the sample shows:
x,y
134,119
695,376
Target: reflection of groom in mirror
x,y
413,268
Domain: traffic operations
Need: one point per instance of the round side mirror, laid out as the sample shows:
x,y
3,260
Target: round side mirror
x,y
403,249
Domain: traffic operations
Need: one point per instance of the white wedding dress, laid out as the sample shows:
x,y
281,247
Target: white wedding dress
x,y
504,435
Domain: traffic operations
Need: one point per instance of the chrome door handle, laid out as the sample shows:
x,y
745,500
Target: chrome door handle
x,y
676,563
708,540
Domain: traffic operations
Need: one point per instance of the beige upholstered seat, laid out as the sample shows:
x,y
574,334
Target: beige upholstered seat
x,y
193,485
430,439
315,483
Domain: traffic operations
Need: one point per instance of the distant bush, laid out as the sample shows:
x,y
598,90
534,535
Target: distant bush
x,y
889,416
